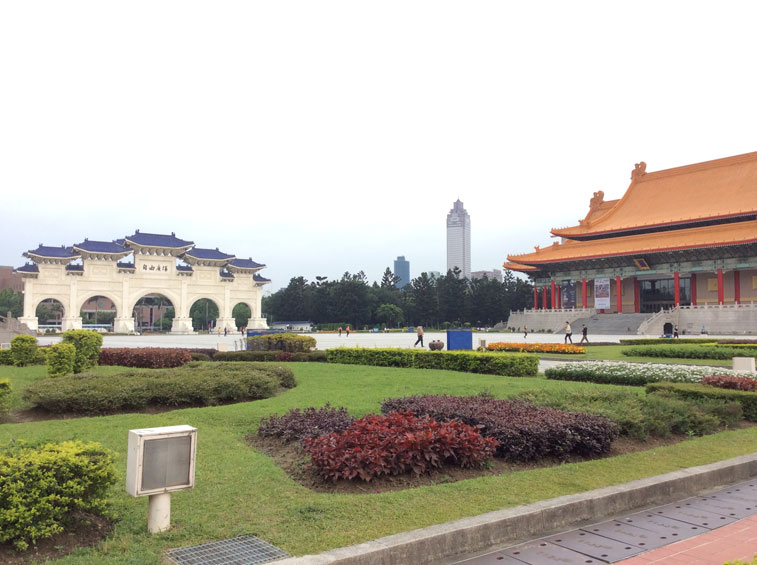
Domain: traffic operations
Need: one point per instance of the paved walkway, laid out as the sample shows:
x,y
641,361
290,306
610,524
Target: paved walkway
x,y
711,529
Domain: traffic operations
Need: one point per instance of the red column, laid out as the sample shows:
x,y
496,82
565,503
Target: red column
x,y
554,297
736,287
693,289
559,296
584,301
636,306
720,286
618,294
677,288
536,297
544,298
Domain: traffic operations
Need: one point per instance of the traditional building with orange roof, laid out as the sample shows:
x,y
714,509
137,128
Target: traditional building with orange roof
x,y
680,246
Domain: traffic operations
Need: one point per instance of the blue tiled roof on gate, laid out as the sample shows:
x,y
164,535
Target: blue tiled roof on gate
x,y
157,240
28,268
257,278
186,268
49,251
212,254
75,268
246,264
226,274
124,265
101,247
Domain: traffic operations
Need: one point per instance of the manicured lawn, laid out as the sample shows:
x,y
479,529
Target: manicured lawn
x,y
241,491
614,353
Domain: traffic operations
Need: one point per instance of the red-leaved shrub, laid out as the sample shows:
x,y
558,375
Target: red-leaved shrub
x,y
731,381
525,432
311,422
397,443
284,356
145,357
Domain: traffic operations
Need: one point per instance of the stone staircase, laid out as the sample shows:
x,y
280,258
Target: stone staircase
x,y
609,324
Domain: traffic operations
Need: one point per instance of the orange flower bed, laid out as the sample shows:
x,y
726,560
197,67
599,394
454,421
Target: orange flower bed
x,y
536,347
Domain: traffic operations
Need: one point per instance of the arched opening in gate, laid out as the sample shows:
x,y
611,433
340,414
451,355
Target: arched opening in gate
x,y
50,313
98,312
154,312
241,314
204,313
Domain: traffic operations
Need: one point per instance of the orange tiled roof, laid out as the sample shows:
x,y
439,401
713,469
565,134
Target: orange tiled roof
x,y
713,189
518,267
691,238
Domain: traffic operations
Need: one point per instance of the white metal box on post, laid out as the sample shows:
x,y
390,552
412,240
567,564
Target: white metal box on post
x,y
160,461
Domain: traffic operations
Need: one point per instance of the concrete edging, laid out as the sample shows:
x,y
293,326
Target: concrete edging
x,y
486,532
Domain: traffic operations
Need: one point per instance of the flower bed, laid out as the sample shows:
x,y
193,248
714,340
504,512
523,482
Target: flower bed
x,y
536,347
525,432
637,374
397,443
732,382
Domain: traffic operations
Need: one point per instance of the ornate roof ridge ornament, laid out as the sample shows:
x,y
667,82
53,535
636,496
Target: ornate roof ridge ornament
x,y
639,170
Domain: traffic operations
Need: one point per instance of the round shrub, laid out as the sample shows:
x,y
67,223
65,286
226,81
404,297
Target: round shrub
x,y
42,486
60,359
312,422
87,344
24,350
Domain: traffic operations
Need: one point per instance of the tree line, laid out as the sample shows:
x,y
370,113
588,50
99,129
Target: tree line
x,y
426,300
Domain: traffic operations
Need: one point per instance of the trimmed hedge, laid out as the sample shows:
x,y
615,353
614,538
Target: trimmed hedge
x,y
194,384
210,352
292,343
43,486
687,352
525,432
24,350
304,356
667,340
145,357
748,400
6,357
641,416
5,396
732,382
509,364
395,444
60,359
87,344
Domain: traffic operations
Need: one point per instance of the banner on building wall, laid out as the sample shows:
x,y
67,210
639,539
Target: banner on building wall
x,y
568,294
601,293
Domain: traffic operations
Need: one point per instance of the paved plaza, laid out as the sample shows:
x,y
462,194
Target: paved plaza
x,y
329,341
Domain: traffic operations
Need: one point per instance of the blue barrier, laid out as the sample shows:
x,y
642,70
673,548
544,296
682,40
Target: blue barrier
x,y
459,339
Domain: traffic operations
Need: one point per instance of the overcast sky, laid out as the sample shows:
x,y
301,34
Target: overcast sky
x,y
322,137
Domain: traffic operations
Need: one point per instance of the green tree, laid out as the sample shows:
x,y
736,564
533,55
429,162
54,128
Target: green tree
x,y
390,313
423,298
203,311
452,290
389,280
11,301
242,315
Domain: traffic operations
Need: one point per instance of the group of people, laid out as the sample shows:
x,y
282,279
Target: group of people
x,y
347,331
569,334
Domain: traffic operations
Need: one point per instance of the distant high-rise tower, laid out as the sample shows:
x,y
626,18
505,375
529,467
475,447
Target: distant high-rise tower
x,y
402,270
458,239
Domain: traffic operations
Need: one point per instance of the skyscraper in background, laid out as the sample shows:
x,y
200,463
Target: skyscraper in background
x,y
458,239
402,270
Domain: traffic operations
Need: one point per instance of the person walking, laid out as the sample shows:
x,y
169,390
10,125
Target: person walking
x,y
568,333
340,331
675,331
348,331
584,331
419,333
525,332
225,332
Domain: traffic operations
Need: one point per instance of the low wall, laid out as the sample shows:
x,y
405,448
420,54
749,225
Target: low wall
x,y
11,327
547,320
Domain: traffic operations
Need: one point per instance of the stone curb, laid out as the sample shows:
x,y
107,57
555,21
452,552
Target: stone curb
x,y
486,532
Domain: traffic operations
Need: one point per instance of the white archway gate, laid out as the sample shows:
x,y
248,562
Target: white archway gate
x,y
55,272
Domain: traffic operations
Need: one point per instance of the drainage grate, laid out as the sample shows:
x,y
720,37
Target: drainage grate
x,y
244,550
